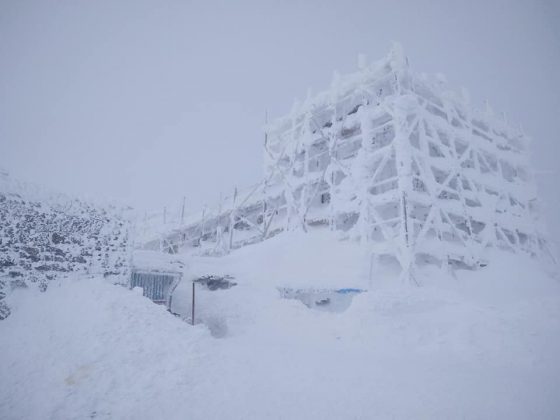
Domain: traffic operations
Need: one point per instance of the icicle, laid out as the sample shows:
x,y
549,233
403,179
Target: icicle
x,y
465,96
232,218
362,61
488,111
441,80
308,98
397,58
335,87
296,106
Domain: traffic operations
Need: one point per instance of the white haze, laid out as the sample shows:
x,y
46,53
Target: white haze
x,y
148,101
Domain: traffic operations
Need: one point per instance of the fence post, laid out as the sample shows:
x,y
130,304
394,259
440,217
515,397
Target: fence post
x,y
183,211
232,219
192,314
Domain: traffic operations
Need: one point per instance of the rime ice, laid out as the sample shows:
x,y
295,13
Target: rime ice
x,y
393,160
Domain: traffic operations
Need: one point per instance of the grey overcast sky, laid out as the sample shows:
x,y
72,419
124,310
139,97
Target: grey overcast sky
x,y
147,101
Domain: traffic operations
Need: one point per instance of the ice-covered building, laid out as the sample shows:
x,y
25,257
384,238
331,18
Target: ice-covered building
x,y
392,159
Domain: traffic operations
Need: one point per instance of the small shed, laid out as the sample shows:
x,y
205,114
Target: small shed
x,y
158,275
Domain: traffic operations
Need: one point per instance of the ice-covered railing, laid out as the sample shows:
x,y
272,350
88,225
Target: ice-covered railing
x,y
170,227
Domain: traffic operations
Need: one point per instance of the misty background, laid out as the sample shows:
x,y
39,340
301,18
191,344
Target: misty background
x,y
145,102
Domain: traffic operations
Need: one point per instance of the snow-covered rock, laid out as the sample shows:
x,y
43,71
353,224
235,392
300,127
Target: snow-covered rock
x,y
45,235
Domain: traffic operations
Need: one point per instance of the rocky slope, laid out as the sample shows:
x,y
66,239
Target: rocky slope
x,y
44,236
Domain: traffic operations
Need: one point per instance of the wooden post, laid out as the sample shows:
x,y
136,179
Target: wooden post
x,y
192,313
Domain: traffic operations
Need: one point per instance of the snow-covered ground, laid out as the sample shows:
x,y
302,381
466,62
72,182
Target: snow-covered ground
x,y
481,345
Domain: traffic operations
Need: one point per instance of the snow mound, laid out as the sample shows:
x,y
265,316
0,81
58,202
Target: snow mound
x,y
296,260
90,349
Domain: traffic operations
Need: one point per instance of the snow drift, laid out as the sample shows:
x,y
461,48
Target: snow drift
x,y
481,345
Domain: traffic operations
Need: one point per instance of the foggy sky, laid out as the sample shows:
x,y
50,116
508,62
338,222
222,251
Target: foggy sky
x,y
147,101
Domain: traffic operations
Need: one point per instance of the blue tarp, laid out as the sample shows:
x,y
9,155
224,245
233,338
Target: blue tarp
x,y
345,291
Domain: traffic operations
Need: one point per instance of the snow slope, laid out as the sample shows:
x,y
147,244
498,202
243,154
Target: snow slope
x,y
482,345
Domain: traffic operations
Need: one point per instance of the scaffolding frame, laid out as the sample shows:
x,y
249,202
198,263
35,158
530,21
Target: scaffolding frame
x,y
393,160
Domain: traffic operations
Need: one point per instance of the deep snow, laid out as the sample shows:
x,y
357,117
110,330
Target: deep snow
x,y
479,345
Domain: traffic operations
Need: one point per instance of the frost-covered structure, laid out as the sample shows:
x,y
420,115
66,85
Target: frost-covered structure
x,y
391,159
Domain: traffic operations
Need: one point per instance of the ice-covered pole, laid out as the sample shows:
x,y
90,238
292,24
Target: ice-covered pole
x,y
192,309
